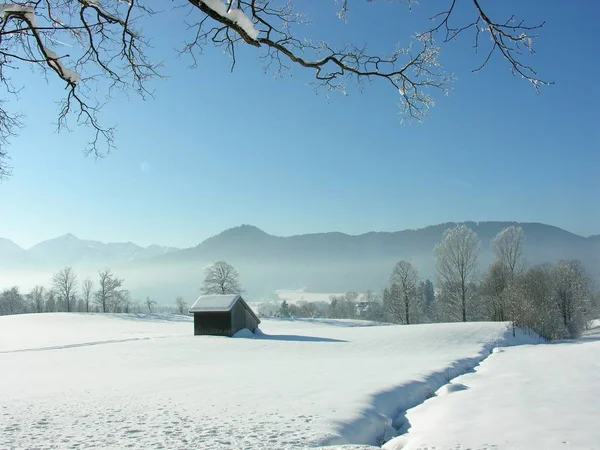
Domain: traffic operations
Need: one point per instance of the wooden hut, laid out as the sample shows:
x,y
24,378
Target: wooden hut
x,y
222,315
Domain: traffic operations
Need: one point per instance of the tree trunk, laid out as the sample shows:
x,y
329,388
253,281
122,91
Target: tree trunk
x,y
464,303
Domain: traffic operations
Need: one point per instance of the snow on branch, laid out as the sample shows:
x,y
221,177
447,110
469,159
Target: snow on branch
x,y
105,52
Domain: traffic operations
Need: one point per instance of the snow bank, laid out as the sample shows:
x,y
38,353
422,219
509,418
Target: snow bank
x,y
244,334
110,381
542,397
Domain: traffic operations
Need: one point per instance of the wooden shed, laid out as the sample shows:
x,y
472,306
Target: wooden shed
x,y
222,315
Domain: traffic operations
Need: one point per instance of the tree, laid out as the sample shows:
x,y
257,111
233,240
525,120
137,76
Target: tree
x,y
221,278
105,42
181,305
284,309
65,286
127,305
109,295
86,291
11,302
572,294
36,298
50,301
150,304
428,299
508,249
456,263
404,278
493,289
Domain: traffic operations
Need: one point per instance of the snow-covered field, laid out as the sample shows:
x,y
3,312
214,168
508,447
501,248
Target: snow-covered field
x,y
127,381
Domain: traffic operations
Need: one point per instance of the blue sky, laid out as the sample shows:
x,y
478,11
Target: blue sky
x,y
221,149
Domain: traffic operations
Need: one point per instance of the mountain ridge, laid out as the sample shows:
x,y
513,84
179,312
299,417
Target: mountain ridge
x,y
320,262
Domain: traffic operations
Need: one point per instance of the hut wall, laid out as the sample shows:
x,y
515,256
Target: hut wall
x,y
212,323
241,318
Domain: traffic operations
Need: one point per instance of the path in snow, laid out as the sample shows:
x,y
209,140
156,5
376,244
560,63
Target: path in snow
x,y
303,383
530,397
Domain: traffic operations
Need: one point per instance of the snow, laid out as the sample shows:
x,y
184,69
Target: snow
x,y
244,334
214,303
300,295
235,15
113,381
56,63
28,12
530,397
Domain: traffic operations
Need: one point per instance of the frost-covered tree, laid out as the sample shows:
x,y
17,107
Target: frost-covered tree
x,y
109,294
456,263
404,281
181,305
150,304
64,284
572,294
508,249
87,286
95,48
493,289
427,299
221,278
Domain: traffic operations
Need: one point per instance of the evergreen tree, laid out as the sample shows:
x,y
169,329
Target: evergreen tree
x,y
284,309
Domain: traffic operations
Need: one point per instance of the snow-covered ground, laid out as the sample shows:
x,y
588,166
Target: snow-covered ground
x,y
529,397
127,381
299,296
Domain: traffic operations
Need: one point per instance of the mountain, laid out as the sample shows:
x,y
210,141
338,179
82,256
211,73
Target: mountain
x,y
70,250
543,242
11,253
319,262
338,262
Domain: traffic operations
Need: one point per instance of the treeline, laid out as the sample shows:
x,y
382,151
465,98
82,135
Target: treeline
x,y
67,294
555,300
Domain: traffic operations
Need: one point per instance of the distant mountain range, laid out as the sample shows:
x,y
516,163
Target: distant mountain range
x,y
70,250
321,262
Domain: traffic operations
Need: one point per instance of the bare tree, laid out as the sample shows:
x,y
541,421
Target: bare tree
x,y
86,292
65,286
50,305
150,304
508,248
404,280
456,263
107,50
493,289
36,297
221,278
109,295
181,305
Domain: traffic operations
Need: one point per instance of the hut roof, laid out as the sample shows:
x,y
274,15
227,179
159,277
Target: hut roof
x,y
214,303
219,303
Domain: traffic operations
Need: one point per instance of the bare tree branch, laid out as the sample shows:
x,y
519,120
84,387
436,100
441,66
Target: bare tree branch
x,y
108,51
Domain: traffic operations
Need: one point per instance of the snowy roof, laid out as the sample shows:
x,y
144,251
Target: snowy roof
x,y
214,303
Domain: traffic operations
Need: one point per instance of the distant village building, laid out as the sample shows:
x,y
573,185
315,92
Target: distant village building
x,y
222,315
